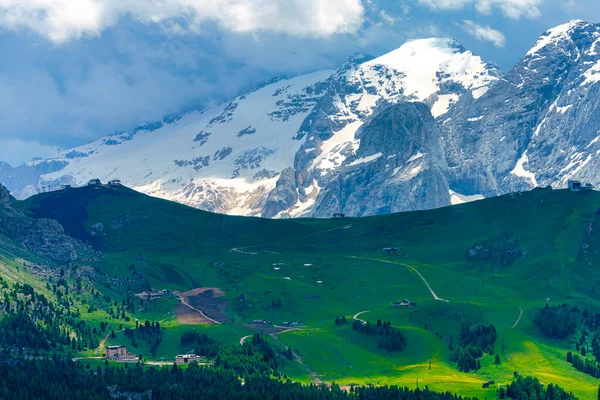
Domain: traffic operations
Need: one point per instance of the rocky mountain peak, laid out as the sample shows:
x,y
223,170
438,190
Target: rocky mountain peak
x,y
564,35
438,67
359,58
352,63
5,197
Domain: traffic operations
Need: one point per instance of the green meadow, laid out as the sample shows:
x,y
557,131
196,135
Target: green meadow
x,y
313,271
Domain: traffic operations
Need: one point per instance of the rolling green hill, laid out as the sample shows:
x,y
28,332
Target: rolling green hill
x,y
496,261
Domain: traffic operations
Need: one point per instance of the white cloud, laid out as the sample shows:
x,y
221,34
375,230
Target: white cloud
x,y
74,93
63,20
511,8
15,151
484,33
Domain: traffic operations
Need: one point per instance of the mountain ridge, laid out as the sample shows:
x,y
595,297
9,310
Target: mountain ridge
x,y
285,148
542,130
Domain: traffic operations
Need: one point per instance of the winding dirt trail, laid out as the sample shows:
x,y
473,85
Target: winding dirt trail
x,y
243,340
518,318
102,343
358,319
237,250
435,296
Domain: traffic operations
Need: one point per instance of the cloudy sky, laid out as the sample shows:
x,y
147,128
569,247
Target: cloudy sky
x,y
74,70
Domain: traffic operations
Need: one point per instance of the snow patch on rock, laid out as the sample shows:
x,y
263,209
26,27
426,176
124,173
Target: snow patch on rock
x,y
364,160
520,171
457,198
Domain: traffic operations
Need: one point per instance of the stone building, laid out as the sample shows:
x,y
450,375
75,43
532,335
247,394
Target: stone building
x,y
119,353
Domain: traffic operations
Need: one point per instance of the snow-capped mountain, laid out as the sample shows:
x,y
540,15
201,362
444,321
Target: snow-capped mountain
x,y
424,126
538,126
437,72
294,146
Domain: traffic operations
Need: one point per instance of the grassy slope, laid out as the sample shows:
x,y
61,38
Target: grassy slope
x,y
180,247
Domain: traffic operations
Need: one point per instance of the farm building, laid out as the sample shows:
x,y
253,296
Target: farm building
x,y
577,186
390,250
574,186
488,384
114,182
261,322
293,324
404,303
154,294
119,353
187,358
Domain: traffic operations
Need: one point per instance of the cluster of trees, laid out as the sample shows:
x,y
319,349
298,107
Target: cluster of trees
x,y
118,310
593,342
481,336
148,331
59,379
588,344
389,338
341,320
473,342
97,300
204,345
589,340
530,388
584,364
29,319
255,356
467,359
591,320
558,322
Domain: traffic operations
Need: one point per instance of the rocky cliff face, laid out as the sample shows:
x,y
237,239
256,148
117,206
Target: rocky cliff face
x,y
43,237
5,198
538,126
436,72
399,165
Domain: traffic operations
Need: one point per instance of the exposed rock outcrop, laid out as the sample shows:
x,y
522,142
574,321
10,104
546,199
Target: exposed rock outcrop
x,y
43,237
536,127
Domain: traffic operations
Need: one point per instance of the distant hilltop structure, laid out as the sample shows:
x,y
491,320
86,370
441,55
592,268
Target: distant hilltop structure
x,y
98,182
576,186
95,182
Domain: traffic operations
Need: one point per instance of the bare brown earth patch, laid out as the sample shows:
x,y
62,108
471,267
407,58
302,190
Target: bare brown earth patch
x,y
208,303
194,292
188,316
